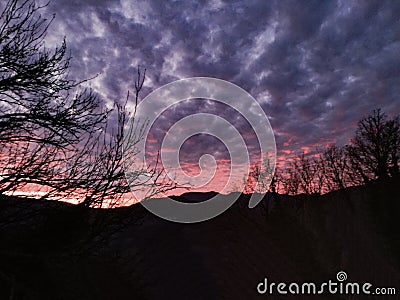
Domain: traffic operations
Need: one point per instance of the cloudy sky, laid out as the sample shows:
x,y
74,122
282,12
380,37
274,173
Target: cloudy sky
x,y
315,67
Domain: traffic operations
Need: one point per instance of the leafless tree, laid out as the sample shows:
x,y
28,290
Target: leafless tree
x,y
276,185
291,179
374,150
372,154
56,138
42,113
58,141
309,173
260,176
335,167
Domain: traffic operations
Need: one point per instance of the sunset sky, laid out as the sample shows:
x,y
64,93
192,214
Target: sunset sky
x,y
315,67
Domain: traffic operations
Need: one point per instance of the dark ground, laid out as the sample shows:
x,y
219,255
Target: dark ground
x,y
57,251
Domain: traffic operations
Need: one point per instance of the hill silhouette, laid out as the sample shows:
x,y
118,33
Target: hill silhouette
x,y
195,196
285,238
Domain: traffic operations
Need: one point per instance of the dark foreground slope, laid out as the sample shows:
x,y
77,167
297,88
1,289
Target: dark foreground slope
x,y
60,253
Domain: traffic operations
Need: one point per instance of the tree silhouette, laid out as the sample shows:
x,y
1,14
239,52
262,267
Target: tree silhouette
x,y
335,168
291,179
261,176
40,121
55,137
374,150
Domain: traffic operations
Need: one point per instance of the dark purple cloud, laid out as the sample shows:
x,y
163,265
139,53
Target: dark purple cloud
x,y
316,67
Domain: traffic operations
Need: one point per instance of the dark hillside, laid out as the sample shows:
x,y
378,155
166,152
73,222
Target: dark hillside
x,y
52,252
